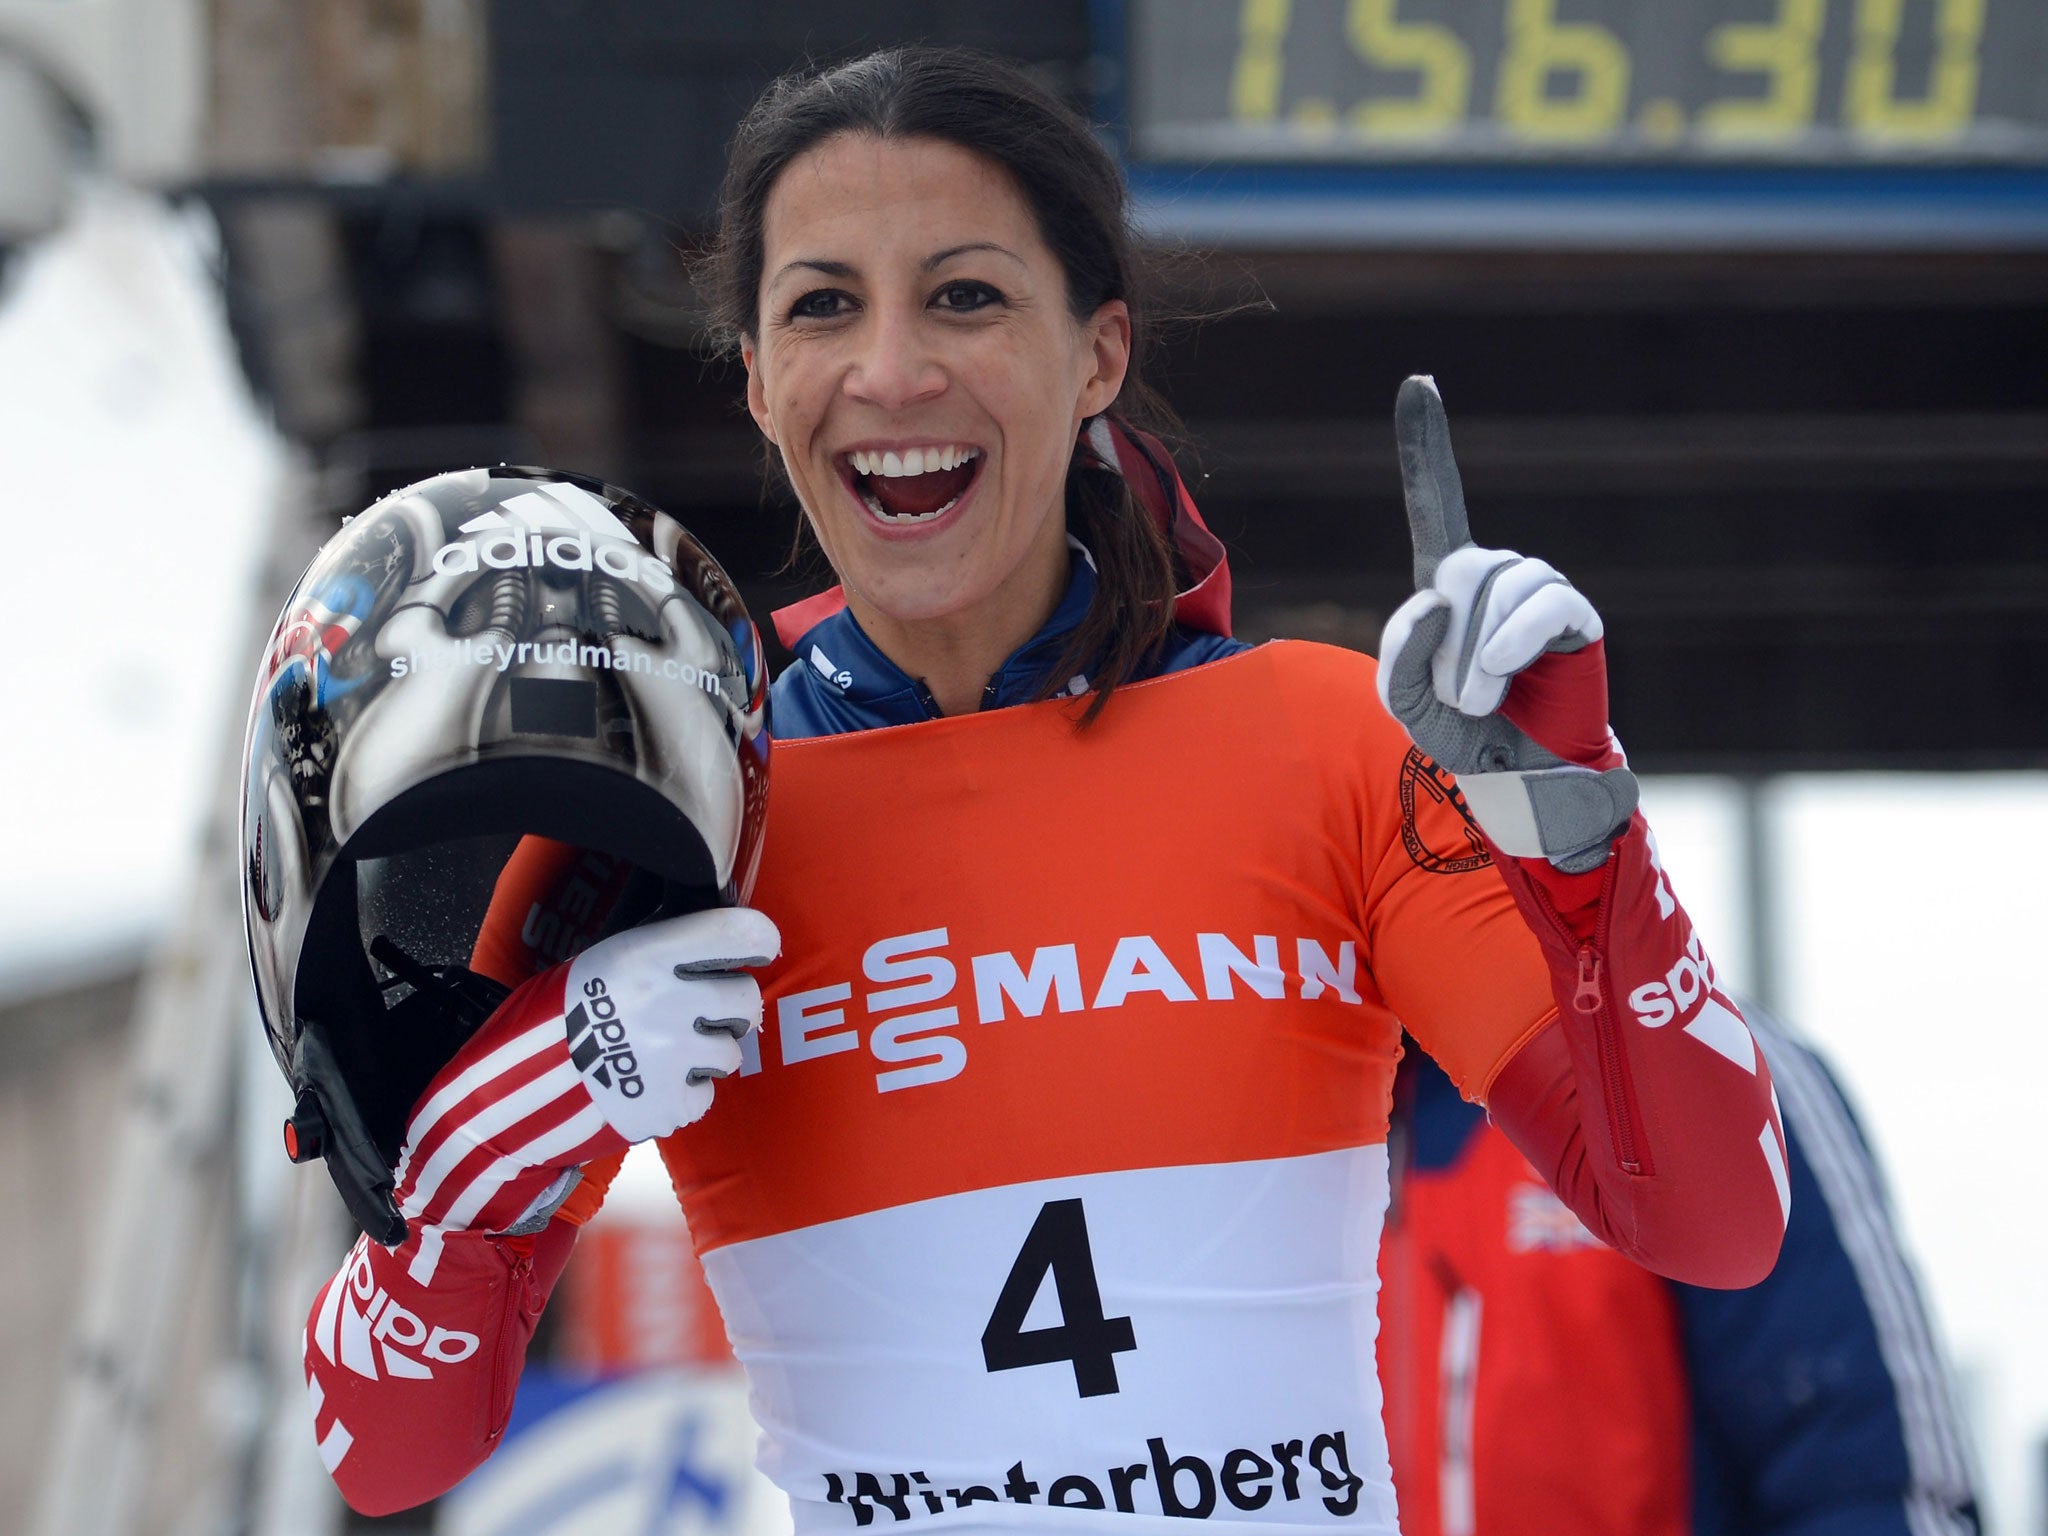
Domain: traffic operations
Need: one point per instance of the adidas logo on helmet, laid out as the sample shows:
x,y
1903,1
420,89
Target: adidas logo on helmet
x,y
561,525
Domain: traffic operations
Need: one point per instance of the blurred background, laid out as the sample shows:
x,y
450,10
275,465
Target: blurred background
x,y
1740,308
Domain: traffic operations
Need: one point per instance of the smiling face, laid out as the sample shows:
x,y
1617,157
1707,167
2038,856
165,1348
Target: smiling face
x,y
918,364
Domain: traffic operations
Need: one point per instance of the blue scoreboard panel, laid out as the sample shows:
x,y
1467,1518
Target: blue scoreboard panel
x,y
1667,120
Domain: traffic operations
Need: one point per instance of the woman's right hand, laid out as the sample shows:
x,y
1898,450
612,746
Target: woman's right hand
x,y
406,1347
619,1045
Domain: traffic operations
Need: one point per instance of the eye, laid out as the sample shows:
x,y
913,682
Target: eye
x,y
821,304
965,297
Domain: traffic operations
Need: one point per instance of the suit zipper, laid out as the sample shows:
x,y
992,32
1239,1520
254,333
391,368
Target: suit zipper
x,y
1590,999
519,1284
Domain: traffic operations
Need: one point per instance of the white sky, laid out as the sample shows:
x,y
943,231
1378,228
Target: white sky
x,y
1911,920
140,475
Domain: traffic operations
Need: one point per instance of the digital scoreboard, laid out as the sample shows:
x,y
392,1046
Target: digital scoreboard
x,y
1676,124
1644,82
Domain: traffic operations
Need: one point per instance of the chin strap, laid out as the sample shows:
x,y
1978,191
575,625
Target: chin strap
x,y
1148,469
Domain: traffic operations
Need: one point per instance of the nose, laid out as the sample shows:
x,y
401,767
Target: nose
x,y
894,364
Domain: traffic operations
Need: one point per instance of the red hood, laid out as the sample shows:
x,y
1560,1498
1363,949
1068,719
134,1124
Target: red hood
x,y
1204,605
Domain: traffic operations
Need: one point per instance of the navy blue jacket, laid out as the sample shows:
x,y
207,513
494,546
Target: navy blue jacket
x,y
841,681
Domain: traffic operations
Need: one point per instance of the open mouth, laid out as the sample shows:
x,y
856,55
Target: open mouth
x,y
914,485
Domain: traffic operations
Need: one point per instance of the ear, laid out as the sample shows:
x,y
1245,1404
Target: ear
x,y
757,401
1108,332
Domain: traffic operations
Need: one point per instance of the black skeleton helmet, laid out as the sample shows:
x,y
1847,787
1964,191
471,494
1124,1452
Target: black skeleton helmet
x,y
483,656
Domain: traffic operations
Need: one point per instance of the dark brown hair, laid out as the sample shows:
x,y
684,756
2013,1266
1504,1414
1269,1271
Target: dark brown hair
x,y
1076,194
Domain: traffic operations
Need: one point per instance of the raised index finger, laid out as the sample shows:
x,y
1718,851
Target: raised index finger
x,y
1429,476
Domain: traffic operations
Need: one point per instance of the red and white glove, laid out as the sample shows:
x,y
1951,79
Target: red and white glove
x,y
413,1353
1497,668
619,1045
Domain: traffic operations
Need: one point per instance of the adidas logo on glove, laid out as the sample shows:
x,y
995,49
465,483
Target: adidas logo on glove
x,y
598,1044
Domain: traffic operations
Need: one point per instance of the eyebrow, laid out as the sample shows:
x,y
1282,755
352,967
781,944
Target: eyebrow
x,y
815,264
940,258
830,268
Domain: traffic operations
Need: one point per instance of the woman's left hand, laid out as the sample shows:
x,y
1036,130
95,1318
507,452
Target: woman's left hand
x,y
1497,669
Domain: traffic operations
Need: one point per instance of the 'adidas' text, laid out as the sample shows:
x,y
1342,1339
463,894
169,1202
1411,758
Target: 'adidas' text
x,y
598,1043
555,528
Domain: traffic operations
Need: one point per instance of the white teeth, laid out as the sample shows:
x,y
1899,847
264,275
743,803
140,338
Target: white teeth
x,y
911,461
907,518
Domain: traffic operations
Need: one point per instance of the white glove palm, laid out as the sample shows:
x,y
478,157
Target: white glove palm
x,y
655,1016
1551,781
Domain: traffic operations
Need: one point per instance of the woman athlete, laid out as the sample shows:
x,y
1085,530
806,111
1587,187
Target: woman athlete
x,y
1047,1196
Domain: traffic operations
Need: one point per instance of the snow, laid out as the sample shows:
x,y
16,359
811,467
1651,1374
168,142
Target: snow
x,y
139,473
